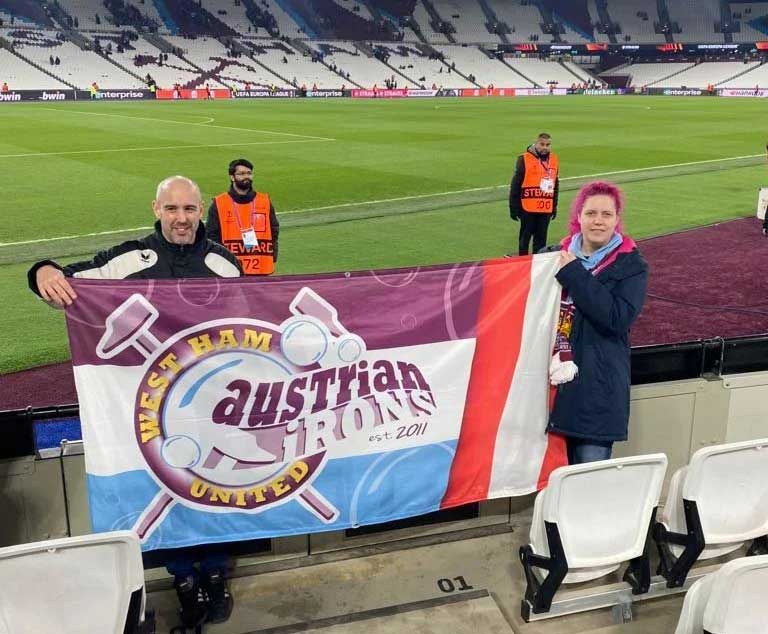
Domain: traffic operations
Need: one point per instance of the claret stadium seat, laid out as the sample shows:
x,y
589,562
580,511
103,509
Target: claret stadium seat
x,y
75,585
589,520
715,504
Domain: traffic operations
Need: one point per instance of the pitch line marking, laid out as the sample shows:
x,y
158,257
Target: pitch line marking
x,y
383,200
490,187
202,125
160,147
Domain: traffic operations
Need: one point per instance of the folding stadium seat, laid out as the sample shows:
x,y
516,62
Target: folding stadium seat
x,y
691,619
76,585
589,520
714,505
737,598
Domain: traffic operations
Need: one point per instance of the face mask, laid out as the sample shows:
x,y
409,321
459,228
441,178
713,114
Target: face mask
x,y
243,184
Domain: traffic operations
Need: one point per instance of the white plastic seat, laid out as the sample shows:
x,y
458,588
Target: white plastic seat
x,y
589,520
602,510
737,602
729,486
691,619
76,585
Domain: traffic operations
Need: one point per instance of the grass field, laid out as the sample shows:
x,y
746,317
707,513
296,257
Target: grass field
x,y
358,184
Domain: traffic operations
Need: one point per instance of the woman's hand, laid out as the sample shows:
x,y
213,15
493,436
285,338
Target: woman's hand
x,y
566,258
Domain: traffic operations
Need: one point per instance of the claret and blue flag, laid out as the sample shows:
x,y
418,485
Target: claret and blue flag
x,y
222,410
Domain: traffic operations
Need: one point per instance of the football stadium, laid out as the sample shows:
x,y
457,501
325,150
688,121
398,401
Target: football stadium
x,y
507,371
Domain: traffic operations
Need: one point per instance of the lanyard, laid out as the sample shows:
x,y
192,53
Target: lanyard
x,y
545,166
253,217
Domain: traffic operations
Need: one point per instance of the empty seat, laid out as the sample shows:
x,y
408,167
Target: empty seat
x,y
76,585
691,619
736,602
589,520
714,505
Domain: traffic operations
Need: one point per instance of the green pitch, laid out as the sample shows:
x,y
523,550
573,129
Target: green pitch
x,y
358,184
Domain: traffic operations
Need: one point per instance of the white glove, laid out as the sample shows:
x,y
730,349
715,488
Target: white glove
x,y
561,371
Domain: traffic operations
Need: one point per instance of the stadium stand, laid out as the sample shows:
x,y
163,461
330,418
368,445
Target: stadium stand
x,y
574,20
545,72
424,20
78,67
468,19
218,66
360,8
140,16
100,598
752,18
472,60
421,68
636,19
21,76
700,75
363,70
523,19
286,25
697,25
86,14
14,19
233,15
578,535
757,76
714,505
144,58
289,64
648,74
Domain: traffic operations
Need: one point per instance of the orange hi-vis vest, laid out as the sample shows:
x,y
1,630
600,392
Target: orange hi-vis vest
x,y
235,218
532,197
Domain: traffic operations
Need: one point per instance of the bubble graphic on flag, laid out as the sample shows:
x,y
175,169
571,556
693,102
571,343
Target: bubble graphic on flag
x,y
181,452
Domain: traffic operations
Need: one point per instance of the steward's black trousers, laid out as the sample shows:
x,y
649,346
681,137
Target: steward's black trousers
x,y
533,225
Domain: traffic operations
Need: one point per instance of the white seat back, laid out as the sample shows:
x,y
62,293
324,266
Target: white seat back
x,y
691,619
729,484
76,585
602,509
737,602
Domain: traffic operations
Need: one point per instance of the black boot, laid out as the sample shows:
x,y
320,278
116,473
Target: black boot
x,y
193,611
219,599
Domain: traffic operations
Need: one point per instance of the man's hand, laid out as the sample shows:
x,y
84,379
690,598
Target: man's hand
x,y
566,258
554,215
515,215
54,287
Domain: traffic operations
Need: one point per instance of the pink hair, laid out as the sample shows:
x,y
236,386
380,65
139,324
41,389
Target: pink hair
x,y
595,188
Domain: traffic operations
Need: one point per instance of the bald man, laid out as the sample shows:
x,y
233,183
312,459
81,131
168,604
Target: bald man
x,y
177,248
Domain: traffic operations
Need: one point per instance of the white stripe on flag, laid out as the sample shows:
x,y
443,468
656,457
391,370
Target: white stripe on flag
x,y
521,441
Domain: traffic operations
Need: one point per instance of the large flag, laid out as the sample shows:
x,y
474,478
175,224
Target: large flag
x,y
222,410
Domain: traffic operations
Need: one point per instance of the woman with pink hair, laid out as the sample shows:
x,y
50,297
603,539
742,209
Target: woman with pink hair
x,y
604,280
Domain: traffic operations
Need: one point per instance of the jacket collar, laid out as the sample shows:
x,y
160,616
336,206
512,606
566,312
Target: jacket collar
x,y
241,199
627,246
532,150
200,239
